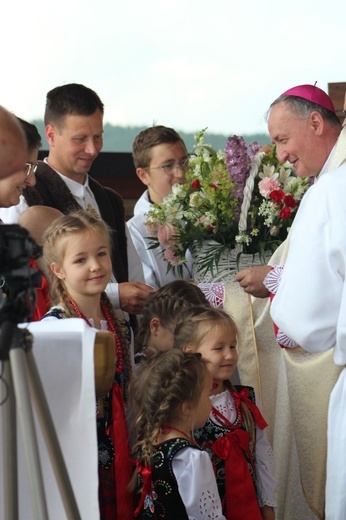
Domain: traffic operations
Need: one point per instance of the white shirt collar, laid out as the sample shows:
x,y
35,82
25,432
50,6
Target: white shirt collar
x,y
81,192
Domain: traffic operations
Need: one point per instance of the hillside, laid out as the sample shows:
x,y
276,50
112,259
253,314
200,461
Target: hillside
x,y
120,138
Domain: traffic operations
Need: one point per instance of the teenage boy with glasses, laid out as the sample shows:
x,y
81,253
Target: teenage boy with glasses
x,y
161,160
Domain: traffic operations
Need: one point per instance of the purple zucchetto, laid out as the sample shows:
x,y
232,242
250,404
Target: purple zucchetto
x,y
313,94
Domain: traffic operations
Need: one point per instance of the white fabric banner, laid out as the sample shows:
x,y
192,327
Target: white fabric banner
x,y
64,354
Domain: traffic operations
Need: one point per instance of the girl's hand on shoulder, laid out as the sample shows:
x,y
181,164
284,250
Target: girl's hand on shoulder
x,y
268,513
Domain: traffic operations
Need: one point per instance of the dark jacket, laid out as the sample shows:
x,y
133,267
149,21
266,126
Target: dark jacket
x,y
50,190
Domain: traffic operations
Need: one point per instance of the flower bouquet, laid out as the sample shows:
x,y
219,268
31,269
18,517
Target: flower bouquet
x,y
241,199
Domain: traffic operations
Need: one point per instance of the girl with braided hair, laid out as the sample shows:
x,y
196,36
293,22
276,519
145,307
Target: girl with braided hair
x,y
234,433
176,479
160,315
77,250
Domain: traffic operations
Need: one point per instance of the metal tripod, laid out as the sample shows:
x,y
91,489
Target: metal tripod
x,y
20,380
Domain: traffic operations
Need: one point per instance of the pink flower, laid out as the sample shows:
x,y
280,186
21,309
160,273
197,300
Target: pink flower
x,y
171,257
267,185
167,235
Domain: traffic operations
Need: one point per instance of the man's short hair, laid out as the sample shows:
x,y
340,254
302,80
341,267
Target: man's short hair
x,y
303,107
71,99
150,137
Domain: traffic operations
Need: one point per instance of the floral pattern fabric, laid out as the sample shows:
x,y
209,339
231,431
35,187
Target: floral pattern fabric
x,y
272,283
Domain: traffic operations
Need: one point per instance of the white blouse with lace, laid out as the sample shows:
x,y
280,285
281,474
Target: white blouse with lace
x,y
197,485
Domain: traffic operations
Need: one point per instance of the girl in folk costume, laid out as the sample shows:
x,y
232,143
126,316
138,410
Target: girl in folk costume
x,y
233,434
156,327
77,250
171,394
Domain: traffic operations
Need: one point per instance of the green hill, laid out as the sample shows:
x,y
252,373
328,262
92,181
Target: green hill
x,y
120,138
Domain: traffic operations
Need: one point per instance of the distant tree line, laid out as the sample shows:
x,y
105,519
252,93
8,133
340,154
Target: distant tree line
x,y
120,138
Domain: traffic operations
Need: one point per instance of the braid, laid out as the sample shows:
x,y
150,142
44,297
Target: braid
x,y
58,294
161,385
165,307
146,434
166,304
144,447
248,422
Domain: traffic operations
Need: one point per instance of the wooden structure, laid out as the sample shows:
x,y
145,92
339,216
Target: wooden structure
x,y
337,93
116,170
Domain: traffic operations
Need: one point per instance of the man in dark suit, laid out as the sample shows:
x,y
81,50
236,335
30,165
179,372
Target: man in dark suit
x,y
74,131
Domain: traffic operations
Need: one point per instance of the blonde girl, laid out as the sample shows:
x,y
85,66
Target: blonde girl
x,y
233,434
171,390
77,251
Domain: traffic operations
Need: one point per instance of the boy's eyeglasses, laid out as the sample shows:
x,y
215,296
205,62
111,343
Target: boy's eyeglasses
x,y
172,168
30,169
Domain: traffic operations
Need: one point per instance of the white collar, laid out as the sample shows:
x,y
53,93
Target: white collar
x,y
76,188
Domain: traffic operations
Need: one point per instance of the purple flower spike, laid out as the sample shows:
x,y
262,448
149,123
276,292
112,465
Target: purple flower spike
x,y
237,162
253,149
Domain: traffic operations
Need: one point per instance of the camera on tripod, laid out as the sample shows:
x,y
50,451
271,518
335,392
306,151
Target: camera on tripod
x,y
20,382
18,279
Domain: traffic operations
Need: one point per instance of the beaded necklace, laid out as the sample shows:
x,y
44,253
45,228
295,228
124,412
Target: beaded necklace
x,y
118,347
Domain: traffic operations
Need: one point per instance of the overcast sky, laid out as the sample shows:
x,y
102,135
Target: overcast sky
x,y
184,63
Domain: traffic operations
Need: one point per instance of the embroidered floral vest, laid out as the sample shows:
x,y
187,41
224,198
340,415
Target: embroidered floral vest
x,y
165,501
